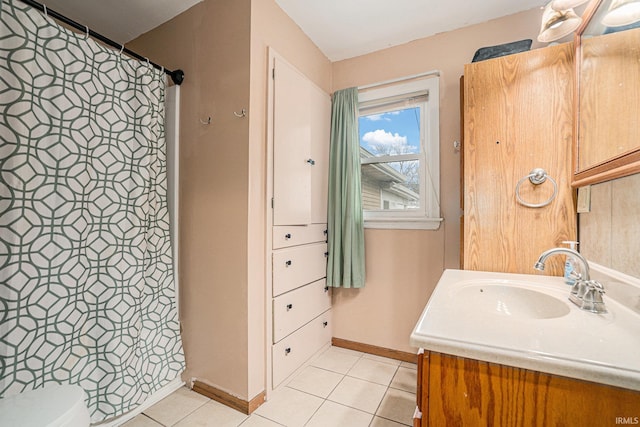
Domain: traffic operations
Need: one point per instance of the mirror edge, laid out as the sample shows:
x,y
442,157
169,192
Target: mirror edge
x,y
617,167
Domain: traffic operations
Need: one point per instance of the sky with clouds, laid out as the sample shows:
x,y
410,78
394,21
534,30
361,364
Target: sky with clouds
x,y
397,131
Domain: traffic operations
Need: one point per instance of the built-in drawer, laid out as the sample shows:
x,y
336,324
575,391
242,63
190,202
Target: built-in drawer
x,y
293,309
292,351
293,235
297,266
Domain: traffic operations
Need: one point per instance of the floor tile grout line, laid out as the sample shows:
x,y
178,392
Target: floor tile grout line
x,y
353,407
385,392
389,419
401,389
315,412
369,381
164,425
332,390
259,416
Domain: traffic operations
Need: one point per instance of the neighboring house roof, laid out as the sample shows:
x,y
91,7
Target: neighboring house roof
x,y
382,172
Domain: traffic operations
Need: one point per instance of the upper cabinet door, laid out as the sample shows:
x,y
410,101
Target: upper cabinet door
x,y
292,161
320,135
517,117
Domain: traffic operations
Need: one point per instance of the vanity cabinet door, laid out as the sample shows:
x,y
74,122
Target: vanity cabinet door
x,y
470,392
517,117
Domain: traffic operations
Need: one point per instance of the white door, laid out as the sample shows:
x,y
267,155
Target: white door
x,y
292,161
320,135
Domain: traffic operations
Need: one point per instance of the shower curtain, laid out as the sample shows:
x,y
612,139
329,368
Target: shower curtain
x,y
86,278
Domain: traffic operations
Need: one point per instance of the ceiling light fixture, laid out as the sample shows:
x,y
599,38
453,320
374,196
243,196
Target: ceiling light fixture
x,y
621,13
557,23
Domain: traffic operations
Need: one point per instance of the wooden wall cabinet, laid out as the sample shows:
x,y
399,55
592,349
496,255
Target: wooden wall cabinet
x,y
456,391
518,116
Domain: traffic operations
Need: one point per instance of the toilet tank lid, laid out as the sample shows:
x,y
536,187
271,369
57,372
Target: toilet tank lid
x,y
41,407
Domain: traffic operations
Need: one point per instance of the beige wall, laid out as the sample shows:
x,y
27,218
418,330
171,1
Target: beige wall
x,y
222,47
270,27
403,266
211,43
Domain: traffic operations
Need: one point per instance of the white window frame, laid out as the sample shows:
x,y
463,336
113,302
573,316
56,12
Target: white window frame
x,y
428,216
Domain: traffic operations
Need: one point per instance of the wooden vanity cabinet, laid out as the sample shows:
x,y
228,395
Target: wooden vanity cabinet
x,y
456,391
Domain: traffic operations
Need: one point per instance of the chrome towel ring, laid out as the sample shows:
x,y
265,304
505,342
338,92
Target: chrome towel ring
x,y
537,176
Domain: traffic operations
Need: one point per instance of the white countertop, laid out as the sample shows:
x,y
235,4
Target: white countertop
x,y
473,314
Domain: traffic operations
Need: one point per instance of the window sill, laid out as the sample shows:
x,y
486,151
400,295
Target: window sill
x,y
404,224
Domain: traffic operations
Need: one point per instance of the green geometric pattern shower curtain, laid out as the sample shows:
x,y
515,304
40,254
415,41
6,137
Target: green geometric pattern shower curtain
x,y
86,277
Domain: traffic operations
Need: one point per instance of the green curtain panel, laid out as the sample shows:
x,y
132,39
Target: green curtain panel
x,y
87,291
345,267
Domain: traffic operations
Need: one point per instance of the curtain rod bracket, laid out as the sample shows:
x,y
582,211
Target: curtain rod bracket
x,y
177,76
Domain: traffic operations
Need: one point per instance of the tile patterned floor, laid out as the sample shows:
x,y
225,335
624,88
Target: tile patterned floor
x,y
340,388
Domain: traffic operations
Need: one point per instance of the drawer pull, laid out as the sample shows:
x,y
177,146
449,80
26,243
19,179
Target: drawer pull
x,y
311,162
325,323
289,307
288,263
326,254
326,232
287,236
326,289
287,351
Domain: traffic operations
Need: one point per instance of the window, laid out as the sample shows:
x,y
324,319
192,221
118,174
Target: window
x,y
399,155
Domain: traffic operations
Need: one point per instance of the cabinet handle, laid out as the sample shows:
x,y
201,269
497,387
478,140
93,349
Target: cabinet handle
x,y
311,162
288,263
326,254
287,351
289,307
326,289
287,236
326,232
324,324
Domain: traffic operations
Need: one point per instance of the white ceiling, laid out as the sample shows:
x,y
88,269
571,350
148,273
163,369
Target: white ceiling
x,y
340,28
120,20
347,28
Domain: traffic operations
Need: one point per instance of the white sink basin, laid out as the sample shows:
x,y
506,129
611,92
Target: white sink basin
x,y
508,299
528,322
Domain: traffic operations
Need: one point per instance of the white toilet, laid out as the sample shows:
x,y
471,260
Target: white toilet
x,y
51,406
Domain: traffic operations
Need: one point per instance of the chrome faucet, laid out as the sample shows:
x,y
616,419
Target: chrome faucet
x,y
585,293
584,275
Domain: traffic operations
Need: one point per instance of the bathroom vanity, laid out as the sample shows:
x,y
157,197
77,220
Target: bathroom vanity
x,y
510,349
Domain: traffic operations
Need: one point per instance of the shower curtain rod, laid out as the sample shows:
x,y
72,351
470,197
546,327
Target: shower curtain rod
x,y
177,75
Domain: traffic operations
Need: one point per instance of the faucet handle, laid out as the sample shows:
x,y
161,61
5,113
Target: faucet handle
x,y
592,300
575,276
594,285
579,288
